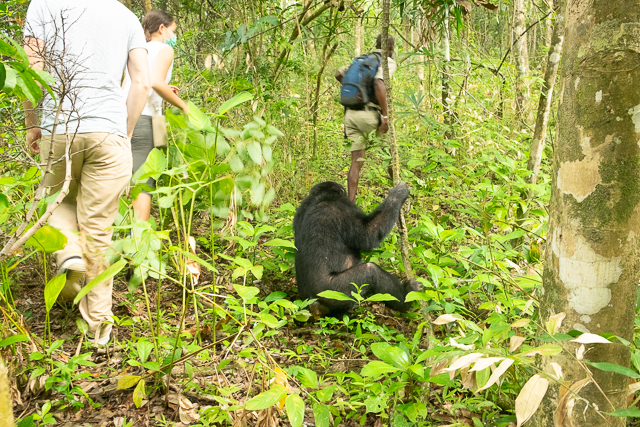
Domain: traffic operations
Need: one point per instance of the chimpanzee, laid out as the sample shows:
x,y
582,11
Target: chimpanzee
x,y
330,233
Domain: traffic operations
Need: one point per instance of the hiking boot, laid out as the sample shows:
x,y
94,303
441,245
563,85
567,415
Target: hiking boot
x,y
75,270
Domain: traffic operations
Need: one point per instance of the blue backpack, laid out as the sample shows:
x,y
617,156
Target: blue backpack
x,y
357,83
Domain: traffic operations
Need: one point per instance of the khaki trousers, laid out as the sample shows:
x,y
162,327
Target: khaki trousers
x,y
100,170
358,124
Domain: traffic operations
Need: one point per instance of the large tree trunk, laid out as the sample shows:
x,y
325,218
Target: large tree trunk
x,y
6,409
591,269
546,95
521,56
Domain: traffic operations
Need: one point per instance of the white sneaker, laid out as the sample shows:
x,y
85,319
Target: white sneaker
x,y
75,269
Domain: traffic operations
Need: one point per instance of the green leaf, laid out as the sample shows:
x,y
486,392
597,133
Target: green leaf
x,y
295,410
629,412
53,289
197,118
139,393
334,295
273,131
307,377
269,320
235,101
3,75
14,339
377,368
10,80
195,258
47,239
246,292
144,348
322,415
255,152
382,297
545,350
235,163
266,399
100,278
156,163
611,367
128,381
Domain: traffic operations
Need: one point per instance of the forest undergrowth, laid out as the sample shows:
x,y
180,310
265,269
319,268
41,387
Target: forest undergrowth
x,y
208,326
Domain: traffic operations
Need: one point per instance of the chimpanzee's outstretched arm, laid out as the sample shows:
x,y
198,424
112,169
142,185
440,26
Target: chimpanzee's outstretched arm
x,y
375,226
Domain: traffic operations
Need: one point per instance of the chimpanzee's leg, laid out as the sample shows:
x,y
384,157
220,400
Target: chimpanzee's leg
x,y
377,280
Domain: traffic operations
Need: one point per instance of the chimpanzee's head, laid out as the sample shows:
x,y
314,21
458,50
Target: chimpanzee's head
x,y
328,190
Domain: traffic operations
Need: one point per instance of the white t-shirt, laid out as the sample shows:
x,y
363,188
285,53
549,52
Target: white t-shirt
x,y
154,103
87,42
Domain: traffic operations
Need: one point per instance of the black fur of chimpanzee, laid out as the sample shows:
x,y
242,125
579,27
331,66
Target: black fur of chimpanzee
x,y
330,234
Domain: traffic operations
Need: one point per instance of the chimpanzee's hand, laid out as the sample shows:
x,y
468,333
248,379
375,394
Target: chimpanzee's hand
x,y
401,191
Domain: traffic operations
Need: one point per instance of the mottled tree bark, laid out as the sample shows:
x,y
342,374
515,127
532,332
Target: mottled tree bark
x,y
546,95
521,56
6,408
591,268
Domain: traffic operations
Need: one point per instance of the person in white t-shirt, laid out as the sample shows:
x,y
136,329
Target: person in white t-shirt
x,y
159,28
85,46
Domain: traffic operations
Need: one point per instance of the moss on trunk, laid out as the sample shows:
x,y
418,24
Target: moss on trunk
x,y
591,266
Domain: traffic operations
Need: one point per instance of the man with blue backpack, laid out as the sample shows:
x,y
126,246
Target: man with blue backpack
x,y
363,96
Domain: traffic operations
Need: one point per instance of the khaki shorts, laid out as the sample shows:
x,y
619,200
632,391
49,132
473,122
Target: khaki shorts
x,y
358,125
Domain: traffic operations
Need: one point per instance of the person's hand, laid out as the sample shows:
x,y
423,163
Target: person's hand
x,y
174,89
384,127
33,136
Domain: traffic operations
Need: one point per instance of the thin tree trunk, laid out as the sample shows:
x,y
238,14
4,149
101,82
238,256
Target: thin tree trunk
x,y
420,58
315,107
521,57
147,6
446,85
546,95
592,259
391,136
359,35
6,410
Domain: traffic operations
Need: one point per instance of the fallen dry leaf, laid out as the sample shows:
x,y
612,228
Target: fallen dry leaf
x,y
530,397
188,411
464,361
580,352
591,339
495,376
557,369
444,319
485,363
554,323
566,395
453,343
520,323
515,342
192,266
